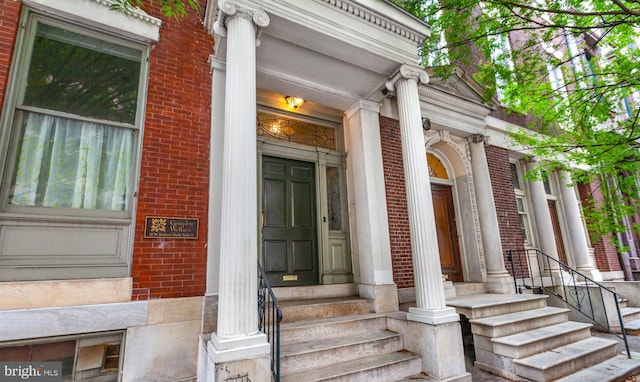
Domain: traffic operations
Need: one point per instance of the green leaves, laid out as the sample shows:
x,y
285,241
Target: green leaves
x,y
572,74
171,8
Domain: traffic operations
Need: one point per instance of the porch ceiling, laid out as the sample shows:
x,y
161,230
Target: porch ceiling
x,y
333,52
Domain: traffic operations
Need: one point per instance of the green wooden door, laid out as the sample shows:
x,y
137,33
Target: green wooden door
x,y
289,246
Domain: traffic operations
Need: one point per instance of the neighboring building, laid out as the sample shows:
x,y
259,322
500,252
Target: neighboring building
x,y
148,163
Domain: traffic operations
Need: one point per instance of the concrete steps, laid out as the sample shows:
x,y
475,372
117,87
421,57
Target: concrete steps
x,y
331,335
519,338
376,368
565,360
539,340
631,319
511,323
618,365
300,331
309,309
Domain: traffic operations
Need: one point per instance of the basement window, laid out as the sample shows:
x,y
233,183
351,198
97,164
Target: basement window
x,y
95,358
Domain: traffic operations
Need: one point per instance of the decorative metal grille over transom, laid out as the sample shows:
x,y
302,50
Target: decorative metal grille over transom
x,y
292,130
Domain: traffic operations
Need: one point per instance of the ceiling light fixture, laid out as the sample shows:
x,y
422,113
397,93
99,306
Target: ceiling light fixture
x,y
294,102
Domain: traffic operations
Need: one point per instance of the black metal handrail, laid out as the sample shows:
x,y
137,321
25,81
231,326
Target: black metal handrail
x,y
269,317
574,289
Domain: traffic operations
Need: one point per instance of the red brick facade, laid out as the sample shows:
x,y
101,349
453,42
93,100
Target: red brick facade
x,y
9,16
505,200
174,174
401,260
605,252
175,161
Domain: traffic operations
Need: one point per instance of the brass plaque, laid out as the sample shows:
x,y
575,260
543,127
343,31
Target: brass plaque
x,y
290,278
164,227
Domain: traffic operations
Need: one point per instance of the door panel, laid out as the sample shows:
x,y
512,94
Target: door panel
x,y
557,232
289,222
447,232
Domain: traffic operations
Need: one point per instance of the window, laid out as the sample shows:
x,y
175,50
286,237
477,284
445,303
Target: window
x,y
334,198
70,131
86,358
501,54
521,204
76,121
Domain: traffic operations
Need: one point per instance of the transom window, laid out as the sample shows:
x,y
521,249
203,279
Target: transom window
x,y
436,167
75,121
281,128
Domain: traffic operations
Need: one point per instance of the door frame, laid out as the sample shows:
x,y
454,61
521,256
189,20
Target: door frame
x,y
321,158
462,248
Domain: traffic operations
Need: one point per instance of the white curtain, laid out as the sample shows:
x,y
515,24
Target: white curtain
x,y
73,164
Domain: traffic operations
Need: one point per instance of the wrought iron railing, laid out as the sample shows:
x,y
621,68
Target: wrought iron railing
x,y
269,317
575,289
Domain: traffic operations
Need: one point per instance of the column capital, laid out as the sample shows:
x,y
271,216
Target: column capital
x,y
478,138
230,8
406,72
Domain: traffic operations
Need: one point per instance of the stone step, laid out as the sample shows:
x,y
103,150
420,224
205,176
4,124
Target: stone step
x,y
310,309
320,352
374,368
617,368
511,323
464,289
542,339
332,327
487,305
565,360
315,292
632,328
630,314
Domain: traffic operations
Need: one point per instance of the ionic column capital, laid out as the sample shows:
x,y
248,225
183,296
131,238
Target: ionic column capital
x,y
237,8
407,72
478,138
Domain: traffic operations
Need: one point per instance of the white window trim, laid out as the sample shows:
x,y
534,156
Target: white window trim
x,y
521,193
115,230
138,25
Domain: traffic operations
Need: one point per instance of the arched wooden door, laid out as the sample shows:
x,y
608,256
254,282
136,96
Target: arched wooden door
x,y
447,232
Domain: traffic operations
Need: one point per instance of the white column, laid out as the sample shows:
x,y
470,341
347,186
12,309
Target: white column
x,y
430,301
577,234
216,149
541,215
369,205
498,279
237,336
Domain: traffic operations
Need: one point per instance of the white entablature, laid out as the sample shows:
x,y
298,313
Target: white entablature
x,y
331,52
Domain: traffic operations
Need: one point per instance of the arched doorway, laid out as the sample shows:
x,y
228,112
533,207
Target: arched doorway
x,y
445,219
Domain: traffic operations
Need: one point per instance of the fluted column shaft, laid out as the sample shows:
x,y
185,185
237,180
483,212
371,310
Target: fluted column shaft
x,y
486,209
237,304
430,301
541,216
577,234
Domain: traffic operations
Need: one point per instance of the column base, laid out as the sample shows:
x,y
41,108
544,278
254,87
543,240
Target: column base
x,y
501,283
385,297
440,347
239,348
433,316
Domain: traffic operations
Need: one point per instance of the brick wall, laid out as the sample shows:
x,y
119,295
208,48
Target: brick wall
x,y
9,16
505,200
175,155
396,203
175,160
605,252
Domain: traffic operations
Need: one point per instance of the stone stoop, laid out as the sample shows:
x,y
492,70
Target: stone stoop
x,y
631,319
519,338
332,335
